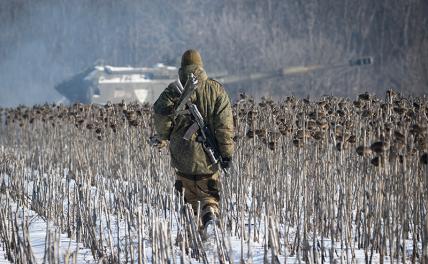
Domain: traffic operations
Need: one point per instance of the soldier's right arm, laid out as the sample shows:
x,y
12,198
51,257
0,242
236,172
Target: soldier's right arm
x,y
223,124
164,112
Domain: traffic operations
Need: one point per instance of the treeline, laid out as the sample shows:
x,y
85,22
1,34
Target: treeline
x,y
42,42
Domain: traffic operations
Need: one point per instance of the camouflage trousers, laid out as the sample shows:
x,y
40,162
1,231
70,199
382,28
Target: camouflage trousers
x,y
203,189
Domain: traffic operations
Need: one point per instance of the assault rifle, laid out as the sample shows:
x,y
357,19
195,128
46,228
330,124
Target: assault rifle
x,y
205,137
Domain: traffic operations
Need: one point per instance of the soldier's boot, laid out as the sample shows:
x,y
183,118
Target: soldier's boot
x,y
210,222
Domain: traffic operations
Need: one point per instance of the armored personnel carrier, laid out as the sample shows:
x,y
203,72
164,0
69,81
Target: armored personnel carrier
x,y
103,83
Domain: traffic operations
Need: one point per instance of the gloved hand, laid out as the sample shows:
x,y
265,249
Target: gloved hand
x,y
155,141
226,163
161,144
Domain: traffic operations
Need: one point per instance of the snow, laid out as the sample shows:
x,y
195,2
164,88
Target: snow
x,y
130,78
39,229
3,259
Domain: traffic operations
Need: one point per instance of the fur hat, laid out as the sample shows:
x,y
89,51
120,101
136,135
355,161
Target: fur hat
x,y
191,57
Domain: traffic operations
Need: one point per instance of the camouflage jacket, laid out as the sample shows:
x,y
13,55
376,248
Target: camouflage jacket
x,y
188,157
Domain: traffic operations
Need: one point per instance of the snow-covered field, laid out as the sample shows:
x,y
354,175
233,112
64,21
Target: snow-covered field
x,y
42,235
45,238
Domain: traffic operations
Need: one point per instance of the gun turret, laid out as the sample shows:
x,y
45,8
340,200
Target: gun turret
x,y
290,71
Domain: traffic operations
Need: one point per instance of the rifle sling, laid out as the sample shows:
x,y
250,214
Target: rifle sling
x,y
189,87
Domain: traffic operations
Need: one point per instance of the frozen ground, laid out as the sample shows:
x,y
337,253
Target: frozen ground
x,y
38,228
2,256
40,232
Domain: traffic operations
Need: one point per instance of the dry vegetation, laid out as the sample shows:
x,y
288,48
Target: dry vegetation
x,y
314,180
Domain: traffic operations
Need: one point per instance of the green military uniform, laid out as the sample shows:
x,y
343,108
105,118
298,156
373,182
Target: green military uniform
x,y
195,172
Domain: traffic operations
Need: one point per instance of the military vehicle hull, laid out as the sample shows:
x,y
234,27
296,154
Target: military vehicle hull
x,y
115,91
102,84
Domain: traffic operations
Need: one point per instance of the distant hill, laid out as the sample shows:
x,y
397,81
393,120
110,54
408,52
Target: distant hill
x,y
42,42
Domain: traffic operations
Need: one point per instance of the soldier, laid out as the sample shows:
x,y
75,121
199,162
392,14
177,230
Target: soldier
x,y
195,173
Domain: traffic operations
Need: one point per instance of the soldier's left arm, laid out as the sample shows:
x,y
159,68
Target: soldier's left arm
x,y
223,125
163,113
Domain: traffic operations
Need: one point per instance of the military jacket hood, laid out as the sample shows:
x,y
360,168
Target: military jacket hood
x,y
198,71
